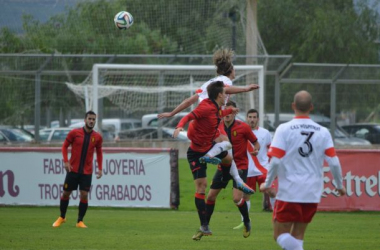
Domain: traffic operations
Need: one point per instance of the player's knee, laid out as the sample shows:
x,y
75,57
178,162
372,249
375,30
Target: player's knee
x,y
236,200
246,197
84,195
66,194
211,197
223,138
227,145
201,187
227,159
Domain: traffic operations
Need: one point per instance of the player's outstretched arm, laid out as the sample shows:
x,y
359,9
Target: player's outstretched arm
x,y
184,105
336,171
182,123
229,111
176,132
236,90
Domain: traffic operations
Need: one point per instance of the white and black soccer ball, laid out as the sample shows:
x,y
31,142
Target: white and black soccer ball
x,y
123,20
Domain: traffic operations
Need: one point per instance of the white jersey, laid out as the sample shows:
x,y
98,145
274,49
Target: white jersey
x,y
302,146
202,91
258,165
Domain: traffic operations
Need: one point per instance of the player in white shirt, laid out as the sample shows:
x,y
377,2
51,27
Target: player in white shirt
x,y
226,73
297,152
257,164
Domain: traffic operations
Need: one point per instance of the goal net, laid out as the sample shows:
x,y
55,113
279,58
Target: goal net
x,y
142,89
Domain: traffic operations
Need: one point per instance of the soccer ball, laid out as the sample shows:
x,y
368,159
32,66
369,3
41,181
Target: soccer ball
x,y
123,20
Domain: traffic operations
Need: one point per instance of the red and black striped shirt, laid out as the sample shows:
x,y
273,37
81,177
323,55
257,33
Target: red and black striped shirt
x,y
83,146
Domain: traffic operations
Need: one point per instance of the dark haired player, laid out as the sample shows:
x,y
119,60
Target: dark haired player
x,y
84,141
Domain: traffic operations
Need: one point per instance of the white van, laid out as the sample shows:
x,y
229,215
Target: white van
x,y
341,137
269,119
151,120
55,124
114,126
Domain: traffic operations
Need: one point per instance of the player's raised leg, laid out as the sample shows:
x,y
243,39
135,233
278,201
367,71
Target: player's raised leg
x,y
217,149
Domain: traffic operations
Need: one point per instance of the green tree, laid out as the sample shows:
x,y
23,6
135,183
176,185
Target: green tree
x,y
320,31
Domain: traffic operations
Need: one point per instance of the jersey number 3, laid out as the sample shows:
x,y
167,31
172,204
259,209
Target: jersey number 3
x,y
308,144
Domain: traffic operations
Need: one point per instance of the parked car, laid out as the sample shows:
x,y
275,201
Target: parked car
x,y
55,124
114,126
344,139
60,134
151,134
54,134
10,135
341,137
368,131
151,120
30,128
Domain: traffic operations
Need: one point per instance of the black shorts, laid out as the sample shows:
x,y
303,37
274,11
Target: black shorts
x,y
218,182
199,169
72,181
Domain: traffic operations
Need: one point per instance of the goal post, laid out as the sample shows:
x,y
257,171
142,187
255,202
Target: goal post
x,y
159,88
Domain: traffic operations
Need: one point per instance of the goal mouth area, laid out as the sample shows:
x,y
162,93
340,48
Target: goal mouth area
x,y
136,88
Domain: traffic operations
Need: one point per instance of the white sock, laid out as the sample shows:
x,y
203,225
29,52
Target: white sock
x,y
219,148
288,242
272,201
234,172
300,241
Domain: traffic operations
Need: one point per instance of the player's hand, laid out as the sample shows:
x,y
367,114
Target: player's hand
x,y
99,175
235,111
342,191
176,132
164,115
252,87
255,152
262,187
269,191
68,166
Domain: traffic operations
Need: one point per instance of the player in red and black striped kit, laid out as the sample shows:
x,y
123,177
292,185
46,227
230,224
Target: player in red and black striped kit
x,y
239,133
84,141
202,132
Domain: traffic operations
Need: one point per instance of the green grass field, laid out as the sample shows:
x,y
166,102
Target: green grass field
x,y
119,228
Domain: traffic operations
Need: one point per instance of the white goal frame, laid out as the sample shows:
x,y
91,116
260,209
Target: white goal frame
x,y
257,68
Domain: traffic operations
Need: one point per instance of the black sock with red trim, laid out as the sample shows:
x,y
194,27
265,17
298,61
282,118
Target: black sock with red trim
x,y
210,205
83,204
243,208
201,207
63,204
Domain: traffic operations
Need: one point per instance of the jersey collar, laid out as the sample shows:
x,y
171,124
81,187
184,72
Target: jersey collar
x,y
231,125
213,101
302,117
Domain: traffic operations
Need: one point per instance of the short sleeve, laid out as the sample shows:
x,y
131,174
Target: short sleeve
x,y
329,144
278,145
250,135
70,136
279,138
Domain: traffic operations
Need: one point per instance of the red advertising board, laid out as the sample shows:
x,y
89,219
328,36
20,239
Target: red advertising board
x,y
361,177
